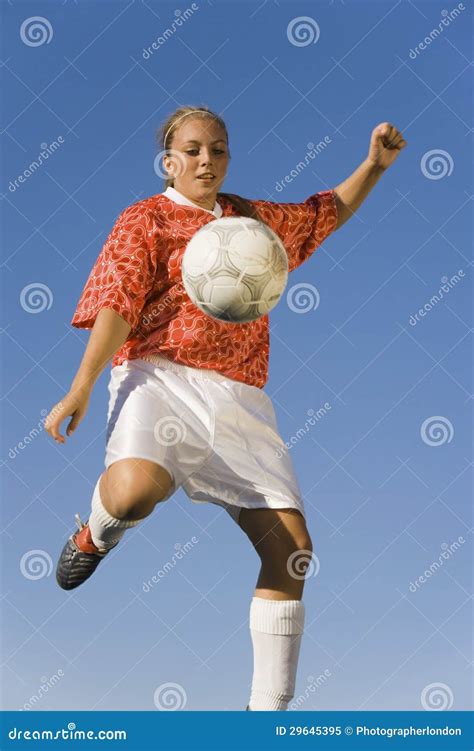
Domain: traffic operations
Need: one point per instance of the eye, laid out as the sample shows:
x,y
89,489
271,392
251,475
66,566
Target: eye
x,y
193,151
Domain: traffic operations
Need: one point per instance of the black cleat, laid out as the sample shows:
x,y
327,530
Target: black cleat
x,y
79,558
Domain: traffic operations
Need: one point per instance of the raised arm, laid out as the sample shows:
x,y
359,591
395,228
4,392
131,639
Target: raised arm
x,y
386,144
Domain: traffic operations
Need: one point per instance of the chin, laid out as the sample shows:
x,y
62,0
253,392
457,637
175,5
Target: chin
x,y
206,190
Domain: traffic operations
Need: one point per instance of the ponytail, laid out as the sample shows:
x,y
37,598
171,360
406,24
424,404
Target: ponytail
x,y
243,206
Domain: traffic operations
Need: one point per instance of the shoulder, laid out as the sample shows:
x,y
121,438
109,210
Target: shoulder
x,y
151,212
258,208
315,207
239,205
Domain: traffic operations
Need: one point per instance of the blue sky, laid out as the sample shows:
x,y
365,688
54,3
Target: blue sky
x,y
386,472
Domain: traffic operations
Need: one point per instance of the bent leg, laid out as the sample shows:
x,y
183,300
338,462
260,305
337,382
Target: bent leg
x,y
124,495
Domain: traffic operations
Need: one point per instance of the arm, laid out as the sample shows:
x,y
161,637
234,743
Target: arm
x,y
108,334
110,304
385,145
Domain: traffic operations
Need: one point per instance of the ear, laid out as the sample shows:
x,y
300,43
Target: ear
x,y
168,165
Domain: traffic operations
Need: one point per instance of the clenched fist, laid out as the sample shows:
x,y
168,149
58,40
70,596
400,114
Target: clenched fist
x,y
386,143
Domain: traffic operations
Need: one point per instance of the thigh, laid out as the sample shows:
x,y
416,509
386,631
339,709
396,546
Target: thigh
x,y
156,415
248,465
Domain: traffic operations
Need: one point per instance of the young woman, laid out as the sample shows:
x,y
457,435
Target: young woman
x,y
187,407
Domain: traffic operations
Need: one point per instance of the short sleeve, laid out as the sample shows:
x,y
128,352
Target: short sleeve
x,y
124,272
302,227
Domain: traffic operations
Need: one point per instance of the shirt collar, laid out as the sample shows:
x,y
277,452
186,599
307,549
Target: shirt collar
x,y
178,197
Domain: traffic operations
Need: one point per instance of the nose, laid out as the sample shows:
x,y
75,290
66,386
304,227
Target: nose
x,y
205,159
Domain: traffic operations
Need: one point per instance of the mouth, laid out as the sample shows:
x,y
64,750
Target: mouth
x,y
206,178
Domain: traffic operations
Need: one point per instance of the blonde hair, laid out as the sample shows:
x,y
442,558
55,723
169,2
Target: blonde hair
x,y
167,131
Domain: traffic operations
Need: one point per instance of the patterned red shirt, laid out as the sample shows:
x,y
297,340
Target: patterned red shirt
x,y
138,274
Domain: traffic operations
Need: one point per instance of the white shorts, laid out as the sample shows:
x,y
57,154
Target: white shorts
x,y
217,437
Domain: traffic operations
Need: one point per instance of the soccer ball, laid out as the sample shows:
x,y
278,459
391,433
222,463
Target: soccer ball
x,y
235,269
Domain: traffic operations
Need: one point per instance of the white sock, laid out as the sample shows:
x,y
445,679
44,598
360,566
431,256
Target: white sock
x,y
276,627
106,530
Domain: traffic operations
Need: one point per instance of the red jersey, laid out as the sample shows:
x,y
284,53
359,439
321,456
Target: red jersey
x,y
138,274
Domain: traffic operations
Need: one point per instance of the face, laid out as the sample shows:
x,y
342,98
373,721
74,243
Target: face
x,y
199,146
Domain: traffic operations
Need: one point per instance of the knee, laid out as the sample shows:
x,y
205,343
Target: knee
x,y
303,542
300,556
129,505
289,551
129,498
298,540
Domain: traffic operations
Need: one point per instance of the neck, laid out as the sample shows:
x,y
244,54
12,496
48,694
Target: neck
x,y
207,202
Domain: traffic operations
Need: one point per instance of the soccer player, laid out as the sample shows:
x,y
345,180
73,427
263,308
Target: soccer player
x,y
187,406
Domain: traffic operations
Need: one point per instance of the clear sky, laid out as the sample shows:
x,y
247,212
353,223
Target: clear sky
x,y
385,471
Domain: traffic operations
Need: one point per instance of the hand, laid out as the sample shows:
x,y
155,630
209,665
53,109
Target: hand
x,y
386,143
73,404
